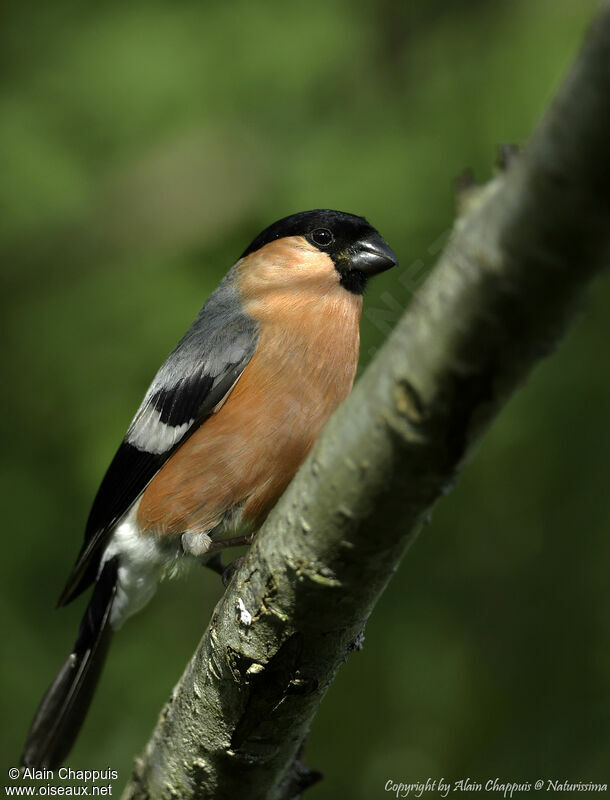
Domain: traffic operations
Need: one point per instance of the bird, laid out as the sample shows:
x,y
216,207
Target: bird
x,y
226,422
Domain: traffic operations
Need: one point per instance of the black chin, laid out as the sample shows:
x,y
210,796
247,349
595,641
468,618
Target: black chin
x,y
353,280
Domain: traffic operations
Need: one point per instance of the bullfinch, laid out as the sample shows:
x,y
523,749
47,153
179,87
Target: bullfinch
x,y
227,420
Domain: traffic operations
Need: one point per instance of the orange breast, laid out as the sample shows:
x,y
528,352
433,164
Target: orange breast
x,y
248,452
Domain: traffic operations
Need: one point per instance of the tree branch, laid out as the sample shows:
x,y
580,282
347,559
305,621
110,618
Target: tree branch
x,y
499,298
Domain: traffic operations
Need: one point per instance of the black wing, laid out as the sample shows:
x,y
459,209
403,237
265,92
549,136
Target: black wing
x,y
197,376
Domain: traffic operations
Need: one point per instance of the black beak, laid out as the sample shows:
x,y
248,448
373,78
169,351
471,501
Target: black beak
x,y
373,255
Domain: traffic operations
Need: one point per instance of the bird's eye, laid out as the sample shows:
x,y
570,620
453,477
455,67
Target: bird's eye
x,y
322,237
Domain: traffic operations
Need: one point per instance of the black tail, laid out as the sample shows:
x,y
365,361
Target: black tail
x,y
64,706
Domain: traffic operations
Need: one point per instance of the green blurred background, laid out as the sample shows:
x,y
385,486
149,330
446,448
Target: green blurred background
x,y
142,145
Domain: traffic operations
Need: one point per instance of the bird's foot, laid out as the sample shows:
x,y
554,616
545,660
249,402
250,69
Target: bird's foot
x,y
231,569
226,571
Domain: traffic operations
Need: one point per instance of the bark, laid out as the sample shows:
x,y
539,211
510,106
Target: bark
x,y
500,297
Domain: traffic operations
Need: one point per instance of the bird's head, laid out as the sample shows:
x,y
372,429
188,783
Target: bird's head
x,y
315,244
